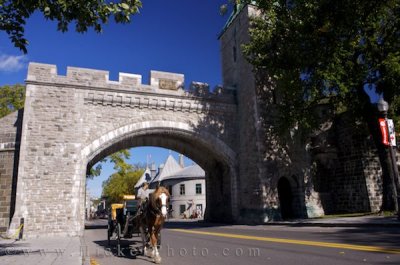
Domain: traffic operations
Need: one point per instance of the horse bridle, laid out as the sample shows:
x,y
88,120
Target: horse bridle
x,y
156,210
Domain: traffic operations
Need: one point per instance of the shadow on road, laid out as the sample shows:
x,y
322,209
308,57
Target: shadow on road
x,y
15,248
90,226
191,224
129,249
183,224
381,236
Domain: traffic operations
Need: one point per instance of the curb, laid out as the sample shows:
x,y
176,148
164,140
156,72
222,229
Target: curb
x,y
320,224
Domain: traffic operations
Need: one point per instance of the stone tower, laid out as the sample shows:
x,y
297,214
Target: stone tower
x,y
281,176
237,75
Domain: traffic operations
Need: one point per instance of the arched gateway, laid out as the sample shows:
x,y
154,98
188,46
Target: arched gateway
x,y
72,121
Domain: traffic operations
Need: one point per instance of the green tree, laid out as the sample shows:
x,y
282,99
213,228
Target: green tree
x,y
95,170
12,98
85,13
117,158
123,180
305,52
120,165
118,185
313,50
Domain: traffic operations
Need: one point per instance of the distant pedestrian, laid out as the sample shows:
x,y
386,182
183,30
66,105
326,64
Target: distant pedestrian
x,y
199,213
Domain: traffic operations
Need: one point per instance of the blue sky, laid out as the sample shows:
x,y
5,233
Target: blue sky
x,y
175,36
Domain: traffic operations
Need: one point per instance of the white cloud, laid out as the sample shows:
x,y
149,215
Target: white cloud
x,y
10,63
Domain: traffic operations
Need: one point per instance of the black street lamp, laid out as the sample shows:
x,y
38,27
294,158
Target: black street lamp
x,y
383,108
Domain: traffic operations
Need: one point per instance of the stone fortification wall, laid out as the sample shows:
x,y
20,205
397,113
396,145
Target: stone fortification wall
x,y
160,82
10,134
357,177
75,120
348,174
264,156
331,176
253,173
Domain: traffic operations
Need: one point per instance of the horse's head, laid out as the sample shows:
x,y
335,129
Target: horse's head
x,y
161,197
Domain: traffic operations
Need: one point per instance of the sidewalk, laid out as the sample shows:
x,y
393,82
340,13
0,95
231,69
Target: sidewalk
x,y
368,220
354,221
43,251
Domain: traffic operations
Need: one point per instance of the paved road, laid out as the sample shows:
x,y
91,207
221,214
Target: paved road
x,y
193,243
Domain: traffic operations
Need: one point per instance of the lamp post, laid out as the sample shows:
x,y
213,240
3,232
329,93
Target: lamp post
x,y
383,108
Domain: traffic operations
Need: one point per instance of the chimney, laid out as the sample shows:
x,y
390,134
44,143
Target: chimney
x,y
153,170
181,161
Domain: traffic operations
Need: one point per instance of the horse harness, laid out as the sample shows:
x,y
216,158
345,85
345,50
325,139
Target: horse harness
x,y
147,206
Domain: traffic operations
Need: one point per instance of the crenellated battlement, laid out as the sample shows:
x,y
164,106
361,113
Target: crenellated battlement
x,y
160,82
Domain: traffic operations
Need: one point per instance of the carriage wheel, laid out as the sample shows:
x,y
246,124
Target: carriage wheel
x,y
118,230
109,232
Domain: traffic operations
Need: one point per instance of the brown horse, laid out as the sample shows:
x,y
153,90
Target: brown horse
x,y
152,218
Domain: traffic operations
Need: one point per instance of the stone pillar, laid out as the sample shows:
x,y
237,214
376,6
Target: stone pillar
x,y
238,76
50,190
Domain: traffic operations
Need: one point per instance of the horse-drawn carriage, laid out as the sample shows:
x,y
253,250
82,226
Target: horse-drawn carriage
x,y
121,220
124,221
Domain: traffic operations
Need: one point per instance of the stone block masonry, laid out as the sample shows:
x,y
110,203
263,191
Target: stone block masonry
x,y
10,134
327,176
72,121
254,174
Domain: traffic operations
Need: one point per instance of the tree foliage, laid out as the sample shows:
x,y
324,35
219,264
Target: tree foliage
x,y
308,52
117,158
95,171
327,50
123,180
12,98
118,185
85,13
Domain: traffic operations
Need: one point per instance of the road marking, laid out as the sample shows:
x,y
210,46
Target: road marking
x,y
93,261
294,241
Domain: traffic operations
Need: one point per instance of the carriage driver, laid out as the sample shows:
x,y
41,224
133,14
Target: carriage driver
x,y
143,195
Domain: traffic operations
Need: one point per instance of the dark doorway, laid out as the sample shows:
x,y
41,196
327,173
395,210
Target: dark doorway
x,y
285,198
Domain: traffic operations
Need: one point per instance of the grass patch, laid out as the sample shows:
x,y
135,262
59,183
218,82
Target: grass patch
x,y
387,213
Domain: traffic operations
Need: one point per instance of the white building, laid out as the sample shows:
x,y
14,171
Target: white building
x,y
188,192
185,184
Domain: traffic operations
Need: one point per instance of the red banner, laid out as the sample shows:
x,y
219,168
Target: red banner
x,y
384,131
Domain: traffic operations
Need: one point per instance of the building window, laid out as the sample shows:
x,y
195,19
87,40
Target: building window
x,y
182,208
170,190
198,188
182,189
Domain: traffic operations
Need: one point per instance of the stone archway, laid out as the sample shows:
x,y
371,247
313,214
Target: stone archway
x,y
214,156
72,121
